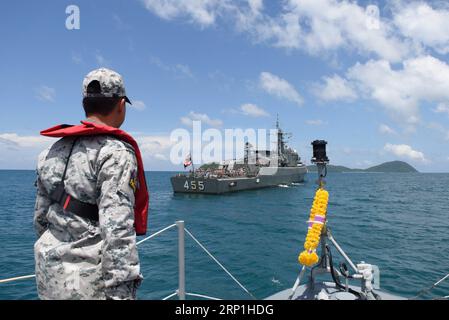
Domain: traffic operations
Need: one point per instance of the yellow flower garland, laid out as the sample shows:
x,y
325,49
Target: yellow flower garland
x,y
316,222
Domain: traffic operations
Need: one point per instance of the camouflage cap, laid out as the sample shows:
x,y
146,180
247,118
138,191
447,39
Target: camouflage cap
x,y
111,84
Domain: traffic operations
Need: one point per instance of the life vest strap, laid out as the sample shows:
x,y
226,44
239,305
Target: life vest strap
x,y
69,203
73,205
79,208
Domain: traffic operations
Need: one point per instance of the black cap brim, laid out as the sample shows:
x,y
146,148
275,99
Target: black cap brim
x,y
127,100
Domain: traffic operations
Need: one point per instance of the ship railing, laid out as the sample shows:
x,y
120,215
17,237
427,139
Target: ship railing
x,y
181,291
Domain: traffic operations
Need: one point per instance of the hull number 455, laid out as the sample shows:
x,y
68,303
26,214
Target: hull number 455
x,y
194,185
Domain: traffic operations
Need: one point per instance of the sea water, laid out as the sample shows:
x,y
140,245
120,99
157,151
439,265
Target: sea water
x,y
399,222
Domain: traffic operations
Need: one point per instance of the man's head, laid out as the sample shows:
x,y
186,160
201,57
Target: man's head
x,y
104,96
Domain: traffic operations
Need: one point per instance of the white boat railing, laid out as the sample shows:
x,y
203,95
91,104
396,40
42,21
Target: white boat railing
x,y
181,291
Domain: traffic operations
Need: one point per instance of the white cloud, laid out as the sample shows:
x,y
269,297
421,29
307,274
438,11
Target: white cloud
x,y
77,58
154,146
101,60
21,151
404,33
160,156
439,128
184,70
317,122
279,87
178,70
158,62
320,27
367,162
401,91
16,140
255,5
384,129
45,93
202,12
222,81
204,118
425,25
347,150
334,88
405,151
253,111
329,25
138,105
442,108
119,23
314,26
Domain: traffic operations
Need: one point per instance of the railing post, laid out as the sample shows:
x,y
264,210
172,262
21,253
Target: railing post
x,y
181,261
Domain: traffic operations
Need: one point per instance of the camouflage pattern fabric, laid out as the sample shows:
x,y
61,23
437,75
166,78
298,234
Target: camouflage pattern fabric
x,y
77,258
111,83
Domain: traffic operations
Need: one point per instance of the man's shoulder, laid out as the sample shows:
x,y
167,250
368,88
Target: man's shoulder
x,y
114,144
53,151
113,147
100,146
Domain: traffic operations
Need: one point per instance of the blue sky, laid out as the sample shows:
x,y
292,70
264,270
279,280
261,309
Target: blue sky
x,y
376,92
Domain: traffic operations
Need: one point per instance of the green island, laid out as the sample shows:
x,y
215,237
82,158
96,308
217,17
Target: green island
x,y
386,167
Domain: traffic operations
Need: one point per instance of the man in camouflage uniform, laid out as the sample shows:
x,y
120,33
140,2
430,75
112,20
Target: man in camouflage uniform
x,y
77,258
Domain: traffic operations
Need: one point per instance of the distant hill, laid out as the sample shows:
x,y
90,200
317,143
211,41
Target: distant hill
x,y
211,166
392,166
332,168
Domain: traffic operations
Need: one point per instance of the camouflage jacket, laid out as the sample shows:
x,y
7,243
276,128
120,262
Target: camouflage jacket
x,y
77,258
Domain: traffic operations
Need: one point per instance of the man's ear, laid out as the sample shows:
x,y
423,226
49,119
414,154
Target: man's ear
x,y
121,105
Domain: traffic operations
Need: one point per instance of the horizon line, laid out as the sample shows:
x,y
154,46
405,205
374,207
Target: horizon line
x,y
308,172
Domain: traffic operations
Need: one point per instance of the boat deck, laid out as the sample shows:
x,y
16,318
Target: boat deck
x,y
326,291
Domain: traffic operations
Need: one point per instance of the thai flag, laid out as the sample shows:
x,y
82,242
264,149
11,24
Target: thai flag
x,y
188,161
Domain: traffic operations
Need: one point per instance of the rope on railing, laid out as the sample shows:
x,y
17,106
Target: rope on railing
x,y
141,241
175,293
156,234
424,291
170,296
191,295
201,296
218,262
18,278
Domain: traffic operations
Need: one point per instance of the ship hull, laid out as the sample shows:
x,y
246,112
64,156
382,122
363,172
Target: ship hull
x,y
267,177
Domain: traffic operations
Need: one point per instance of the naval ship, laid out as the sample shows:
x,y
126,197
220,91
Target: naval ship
x,y
258,169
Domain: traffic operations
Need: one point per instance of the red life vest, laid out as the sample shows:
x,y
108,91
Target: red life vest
x,y
89,129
